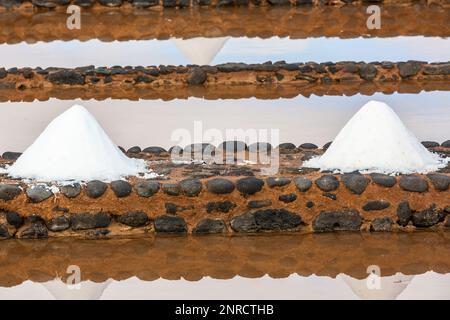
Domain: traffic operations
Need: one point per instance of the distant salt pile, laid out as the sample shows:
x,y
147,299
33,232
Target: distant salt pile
x,y
376,140
74,147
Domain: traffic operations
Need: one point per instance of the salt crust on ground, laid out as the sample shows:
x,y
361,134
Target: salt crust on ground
x,y
75,148
376,140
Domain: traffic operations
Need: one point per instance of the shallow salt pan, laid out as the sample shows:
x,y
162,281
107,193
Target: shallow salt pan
x,y
376,140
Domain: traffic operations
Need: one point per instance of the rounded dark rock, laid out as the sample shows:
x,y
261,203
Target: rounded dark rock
x,y
308,146
36,230
9,191
38,193
441,182
170,224
255,204
154,150
327,183
209,226
232,146
11,156
121,188
277,220
355,182
404,213
287,146
220,206
408,69
69,77
135,149
430,144
96,188
197,76
309,204
220,186
146,188
111,3
191,187
383,179
327,145
203,148
172,189
249,185
368,71
383,224
14,219
287,198
446,144
134,219
374,205
58,224
303,184
84,221
343,220
428,217
71,190
260,147
273,182
413,183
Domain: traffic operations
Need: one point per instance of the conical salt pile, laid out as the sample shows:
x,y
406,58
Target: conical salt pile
x,y
74,147
376,140
200,51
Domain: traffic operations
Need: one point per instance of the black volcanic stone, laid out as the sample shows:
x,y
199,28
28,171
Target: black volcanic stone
x,y
121,188
343,220
302,184
277,181
428,217
69,77
196,77
58,224
260,147
383,179
3,73
376,205
36,230
146,188
440,182
381,224
368,71
4,232
209,226
11,156
404,213
413,184
170,224
134,219
38,193
154,150
266,220
430,144
308,146
203,148
355,182
84,221
111,3
84,3
14,219
232,146
172,189
327,183
220,186
287,198
287,146
9,192
256,204
249,185
220,206
171,208
95,188
135,149
327,145
408,69
71,190
446,144
191,187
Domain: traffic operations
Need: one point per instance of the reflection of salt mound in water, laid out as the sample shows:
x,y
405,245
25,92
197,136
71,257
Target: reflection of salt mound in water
x,y
389,288
88,290
200,51
376,140
74,147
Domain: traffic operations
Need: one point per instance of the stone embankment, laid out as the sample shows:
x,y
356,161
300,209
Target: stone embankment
x,y
213,198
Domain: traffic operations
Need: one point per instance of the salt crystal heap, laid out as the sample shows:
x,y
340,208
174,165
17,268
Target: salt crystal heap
x,y
74,147
376,140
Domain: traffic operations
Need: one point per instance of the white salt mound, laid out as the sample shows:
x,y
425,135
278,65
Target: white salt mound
x,y
74,147
376,140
